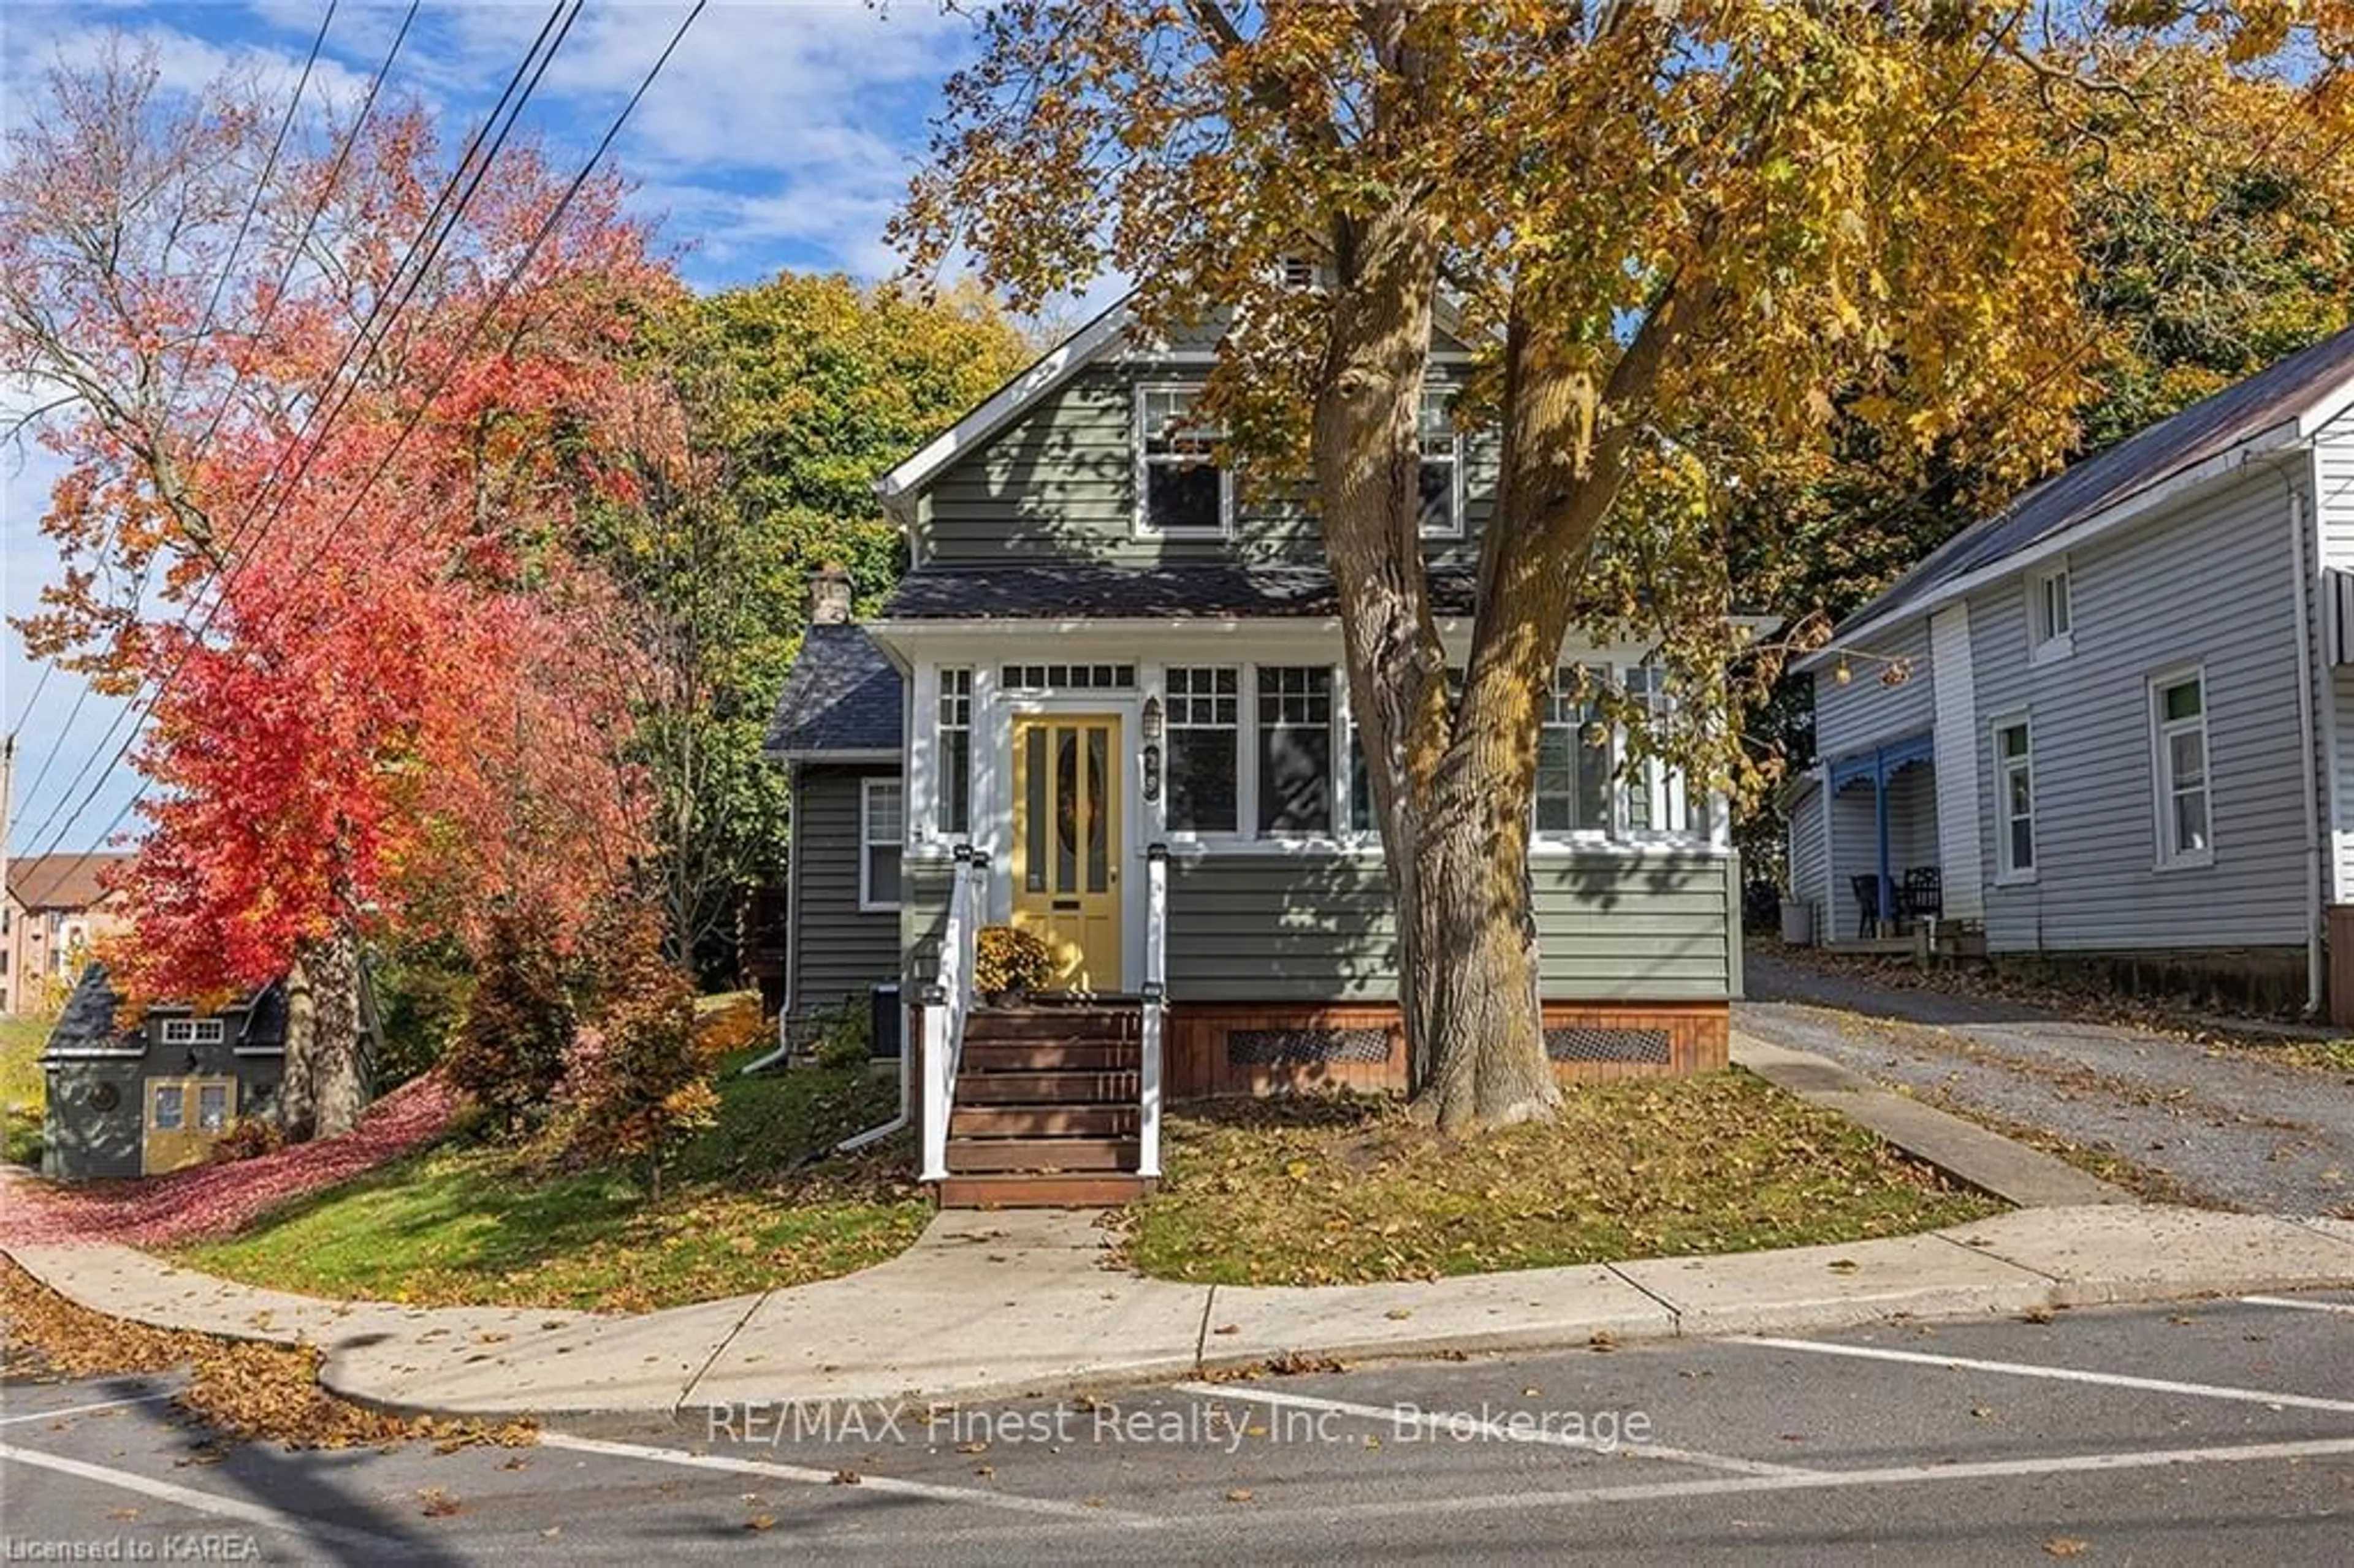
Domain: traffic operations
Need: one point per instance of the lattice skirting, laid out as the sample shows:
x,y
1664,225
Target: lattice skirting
x,y
1656,1046
1288,1047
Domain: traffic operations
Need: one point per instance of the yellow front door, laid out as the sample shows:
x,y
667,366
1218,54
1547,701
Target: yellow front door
x,y
183,1117
1067,790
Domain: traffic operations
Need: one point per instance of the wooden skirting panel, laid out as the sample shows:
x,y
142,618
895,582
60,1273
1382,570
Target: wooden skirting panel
x,y
1248,1048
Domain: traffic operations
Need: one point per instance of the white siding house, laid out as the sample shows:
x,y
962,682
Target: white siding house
x,y
2127,702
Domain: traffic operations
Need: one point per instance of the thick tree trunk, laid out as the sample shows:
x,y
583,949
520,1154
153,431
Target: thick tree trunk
x,y
325,1086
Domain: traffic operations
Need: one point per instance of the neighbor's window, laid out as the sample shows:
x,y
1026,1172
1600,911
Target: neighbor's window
x,y
882,825
1181,489
1573,758
2050,618
1656,798
2177,705
1295,748
1441,476
192,1032
2014,767
956,751
1204,706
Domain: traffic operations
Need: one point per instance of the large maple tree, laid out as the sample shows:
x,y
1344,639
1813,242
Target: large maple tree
x,y
319,480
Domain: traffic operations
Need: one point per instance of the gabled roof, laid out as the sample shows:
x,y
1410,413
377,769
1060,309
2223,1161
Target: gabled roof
x,y
86,1023
1091,590
61,880
2281,405
842,696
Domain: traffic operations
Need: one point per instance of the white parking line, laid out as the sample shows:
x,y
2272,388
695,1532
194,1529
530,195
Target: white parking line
x,y
82,1409
1445,1424
930,1491
1828,1481
2345,1307
384,1548
2063,1375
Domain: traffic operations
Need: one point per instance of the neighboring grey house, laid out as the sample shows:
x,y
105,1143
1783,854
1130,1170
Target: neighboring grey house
x,y
2116,720
1107,705
155,1097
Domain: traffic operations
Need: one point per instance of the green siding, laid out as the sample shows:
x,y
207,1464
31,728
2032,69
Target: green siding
x,y
840,950
1059,483
1609,927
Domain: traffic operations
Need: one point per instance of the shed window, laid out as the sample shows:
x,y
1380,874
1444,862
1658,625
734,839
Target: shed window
x,y
956,751
212,1107
1295,748
2178,708
170,1108
192,1032
1180,487
882,828
1204,739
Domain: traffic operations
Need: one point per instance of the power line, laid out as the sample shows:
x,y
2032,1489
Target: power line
x,y
316,424
531,251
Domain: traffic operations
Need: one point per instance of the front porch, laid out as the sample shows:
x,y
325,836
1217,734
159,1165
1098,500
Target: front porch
x,y
1885,874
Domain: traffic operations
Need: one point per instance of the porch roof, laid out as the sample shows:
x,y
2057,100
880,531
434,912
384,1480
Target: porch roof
x,y
1881,761
1093,590
844,696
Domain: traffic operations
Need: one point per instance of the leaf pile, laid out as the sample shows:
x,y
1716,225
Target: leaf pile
x,y
214,1199
241,1390
1349,1189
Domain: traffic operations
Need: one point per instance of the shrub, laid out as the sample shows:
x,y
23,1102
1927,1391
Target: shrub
x,y
845,1036
639,1076
1008,958
249,1138
736,1026
421,988
510,1053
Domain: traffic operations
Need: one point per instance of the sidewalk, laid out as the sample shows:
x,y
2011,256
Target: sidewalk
x,y
1022,1301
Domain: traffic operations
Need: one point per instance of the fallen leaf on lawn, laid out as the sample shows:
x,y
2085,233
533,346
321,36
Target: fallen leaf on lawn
x,y
1398,1314
2064,1546
761,1522
1240,1494
1227,1328
1844,1265
1983,1412
435,1503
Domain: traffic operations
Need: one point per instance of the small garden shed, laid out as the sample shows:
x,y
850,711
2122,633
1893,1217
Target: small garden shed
x,y
155,1097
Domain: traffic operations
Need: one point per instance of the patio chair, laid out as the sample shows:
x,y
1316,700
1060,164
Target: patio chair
x,y
1867,902
1924,896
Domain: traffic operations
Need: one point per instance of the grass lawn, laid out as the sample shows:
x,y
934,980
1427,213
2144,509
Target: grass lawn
x,y
1341,1189
470,1223
22,1093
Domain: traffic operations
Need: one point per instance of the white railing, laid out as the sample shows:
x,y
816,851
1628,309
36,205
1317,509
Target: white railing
x,y
947,1004
1156,1006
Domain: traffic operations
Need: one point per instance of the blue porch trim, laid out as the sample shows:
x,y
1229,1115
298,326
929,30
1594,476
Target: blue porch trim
x,y
1879,765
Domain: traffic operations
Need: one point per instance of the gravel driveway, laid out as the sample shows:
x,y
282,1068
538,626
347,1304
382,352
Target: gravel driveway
x,y
2227,1127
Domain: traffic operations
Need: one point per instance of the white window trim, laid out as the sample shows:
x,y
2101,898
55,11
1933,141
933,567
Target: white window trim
x,y
2042,648
194,1031
867,903
2161,780
1144,528
1336,783
2005,874
1455,461
935,826
1245,761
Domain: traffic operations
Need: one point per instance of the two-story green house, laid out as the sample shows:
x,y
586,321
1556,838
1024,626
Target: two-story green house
x,y
1106,705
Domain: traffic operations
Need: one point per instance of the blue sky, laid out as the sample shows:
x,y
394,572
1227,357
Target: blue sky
x,y
780,136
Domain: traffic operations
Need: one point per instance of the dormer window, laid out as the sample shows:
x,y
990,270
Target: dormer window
x,y
1441,476
1181,489
1298,273
2050,619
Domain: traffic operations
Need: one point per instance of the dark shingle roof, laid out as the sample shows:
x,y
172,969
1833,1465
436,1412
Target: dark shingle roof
x,y
842,696
1094,590
2143,461
86,1023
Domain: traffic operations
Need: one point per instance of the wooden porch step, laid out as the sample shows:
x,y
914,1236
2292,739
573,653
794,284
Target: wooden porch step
x,y
1044,1122
1047,1056
981,1155
1020,1191
1050,1088
1053,1023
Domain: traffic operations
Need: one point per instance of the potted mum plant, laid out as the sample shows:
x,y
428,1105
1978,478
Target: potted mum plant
x,y
1008,963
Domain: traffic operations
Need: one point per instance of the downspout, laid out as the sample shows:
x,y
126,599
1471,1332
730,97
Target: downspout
x,y
792,925
2316,961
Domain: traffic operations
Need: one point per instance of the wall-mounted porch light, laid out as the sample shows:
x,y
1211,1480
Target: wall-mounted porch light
x,y
1151,726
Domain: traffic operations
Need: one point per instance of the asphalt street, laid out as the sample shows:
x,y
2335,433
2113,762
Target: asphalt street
x,y
2217,1433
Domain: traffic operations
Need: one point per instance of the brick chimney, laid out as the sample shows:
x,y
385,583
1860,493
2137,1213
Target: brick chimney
x,y
830,595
